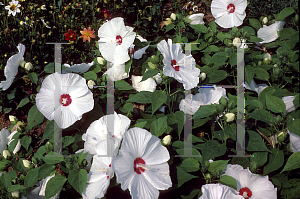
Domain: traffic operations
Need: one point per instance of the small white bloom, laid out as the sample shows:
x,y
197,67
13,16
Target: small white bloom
x,y
294,142
91,84
202,76
210,161
26,163
12,118
269,33
22,63
195,8
6,154
116,72
229,117
229,13
15,194
258,88
77,68
288,100
13,8
237,42
173,16
219,191
265,20
167,140
43,7
267,56
100,60
28,66
147,85
196,19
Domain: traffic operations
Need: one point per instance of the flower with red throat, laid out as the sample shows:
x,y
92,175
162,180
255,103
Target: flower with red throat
x,y
87,34
142,164
70,36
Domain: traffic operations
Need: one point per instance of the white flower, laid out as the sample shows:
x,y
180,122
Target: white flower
x,y
267,56
210,160
116,72
45,23
229,13
43,7
244,45
147,85
203,76
288,100
43,188
139,53
179,66
28,66
11,68
219,191
99,176
229,117
142,164
100,60
18,146
157,78
294,142
13,7
269,33
258,88
265,20
206,96
97,131
251,185
173,16
15,194
77,68
195,8
196,19
12,118
91,84
115,39
26,163
6,154
237,42
22,63
167,140
75,100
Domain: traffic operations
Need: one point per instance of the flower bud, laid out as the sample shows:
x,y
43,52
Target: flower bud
x,y
15,194
49,146
259,62
223,101
100,60
22,63
26,163
12,119
154,59
91,84
28,66
202,76
167,140
6,154
237,42
173,16
278,119
265,20
229,117
267,56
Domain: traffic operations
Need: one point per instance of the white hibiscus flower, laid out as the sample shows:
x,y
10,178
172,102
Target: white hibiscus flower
x,y
289,104
115,40
11,68
13,8
116,72
77,68
179,66
147,85
219,191
251,185
229,13
294,142
139,53
269,33
142,165
75,100
196,19
206,96
258,88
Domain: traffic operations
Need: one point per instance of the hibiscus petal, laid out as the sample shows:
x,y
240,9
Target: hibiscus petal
x,y
159,176
155,153
141,188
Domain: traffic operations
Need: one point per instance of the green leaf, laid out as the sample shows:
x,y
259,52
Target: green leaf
x,y
49,68
49,130
148,74
35,117
262,115
199,28
212,149
31,177
141,124
275,104
229,181
169,27
261,74
13,143
294,126
232,59
45,170
67,140
190,165
255,23
217,76
19,167
286,33
78,179
23,102
263,94
255,142
211,48
249,74
25,142
255,39
292,163
159,126
157,99
142,97
284,13
213,25
12,174
216,166
33,77
249,30
5,180
54,185
16,187
183,176
176,121
200,122
204,111
260,158
253,104
219,57
127,66
90,75
191,195
123,86
53,158
276,160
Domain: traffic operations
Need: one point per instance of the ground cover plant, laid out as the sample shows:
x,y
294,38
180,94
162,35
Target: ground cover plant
x,y
141,99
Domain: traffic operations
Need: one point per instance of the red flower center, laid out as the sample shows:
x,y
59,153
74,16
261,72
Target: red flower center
x,y
119,39
245,192
138,165
231,8
65,100
174,65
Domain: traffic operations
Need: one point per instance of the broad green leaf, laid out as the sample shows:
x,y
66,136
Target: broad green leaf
x,y
249,74
141,97
276,160
286,33
127,66
157,99
54,185
213,25
23,102
254,39
190,165
262,95
275,104
191,195
90,75
49,68
200,122
232,59
211,48
253,104
249,30
199,28
67,140
183,176
25,142
255,23
169,27
13,174
260,158
31,177
78,179
204,111
296,101
293,162
148,74
5,180
176,121
159,126
141,124
49,130
294,126
255,142
45,170
262,115
33,77
212,149
122,85
35,117
216,166
229,181
19,167
261,74
284,13
186,152
219,57
217,76
16,187
53,158
12,145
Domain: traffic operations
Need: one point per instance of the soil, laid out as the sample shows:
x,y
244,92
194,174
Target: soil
x,y
4,122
